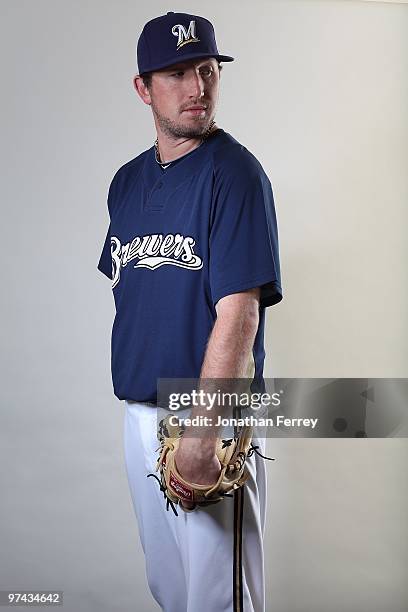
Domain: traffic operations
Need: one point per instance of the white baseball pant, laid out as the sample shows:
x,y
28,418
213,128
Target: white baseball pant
x,y
209,560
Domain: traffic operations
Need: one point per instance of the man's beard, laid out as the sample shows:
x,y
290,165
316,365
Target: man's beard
x,y
175,130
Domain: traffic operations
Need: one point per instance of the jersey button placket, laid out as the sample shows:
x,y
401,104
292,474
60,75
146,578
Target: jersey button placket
x,y
155,201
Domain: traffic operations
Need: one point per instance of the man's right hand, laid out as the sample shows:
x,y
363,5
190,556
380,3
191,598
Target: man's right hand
x,y
197,462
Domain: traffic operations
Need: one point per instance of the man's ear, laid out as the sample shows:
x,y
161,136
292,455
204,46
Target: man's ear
x,y
141,89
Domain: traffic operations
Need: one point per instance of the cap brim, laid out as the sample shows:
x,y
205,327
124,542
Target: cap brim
x,y
186,57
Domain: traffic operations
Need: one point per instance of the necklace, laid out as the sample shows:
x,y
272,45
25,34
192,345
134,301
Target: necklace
x,y
165,165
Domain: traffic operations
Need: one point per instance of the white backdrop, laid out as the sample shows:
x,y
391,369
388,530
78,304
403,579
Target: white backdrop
x,y
318,92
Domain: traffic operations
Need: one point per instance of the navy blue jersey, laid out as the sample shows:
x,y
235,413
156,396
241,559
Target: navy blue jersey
x,y
178,241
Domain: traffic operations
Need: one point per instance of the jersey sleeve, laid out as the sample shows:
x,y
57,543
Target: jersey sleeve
x,y
244,250
105,260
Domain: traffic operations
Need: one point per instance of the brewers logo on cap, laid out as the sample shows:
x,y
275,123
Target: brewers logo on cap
x,y
185,36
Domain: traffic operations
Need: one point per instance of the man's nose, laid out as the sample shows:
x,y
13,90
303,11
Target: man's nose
x,y
196,85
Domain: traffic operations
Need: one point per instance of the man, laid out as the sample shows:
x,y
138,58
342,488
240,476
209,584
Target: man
x,y
192,251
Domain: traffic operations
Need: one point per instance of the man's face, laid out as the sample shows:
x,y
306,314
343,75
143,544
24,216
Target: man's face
x,y
174,90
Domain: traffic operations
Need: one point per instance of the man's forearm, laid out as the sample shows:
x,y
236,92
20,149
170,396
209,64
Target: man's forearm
x,y
229,348
229,353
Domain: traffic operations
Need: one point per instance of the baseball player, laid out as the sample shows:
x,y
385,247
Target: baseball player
x,y
192,253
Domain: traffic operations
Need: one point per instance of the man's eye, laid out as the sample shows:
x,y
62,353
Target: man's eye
x,y
178,73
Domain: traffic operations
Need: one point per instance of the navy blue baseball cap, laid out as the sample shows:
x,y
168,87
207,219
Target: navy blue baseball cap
x,y
174,38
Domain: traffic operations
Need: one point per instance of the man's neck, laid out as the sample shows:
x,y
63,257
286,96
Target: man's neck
x,y
171,149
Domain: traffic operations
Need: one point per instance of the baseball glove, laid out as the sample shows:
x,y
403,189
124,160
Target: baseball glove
x,y
232,454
